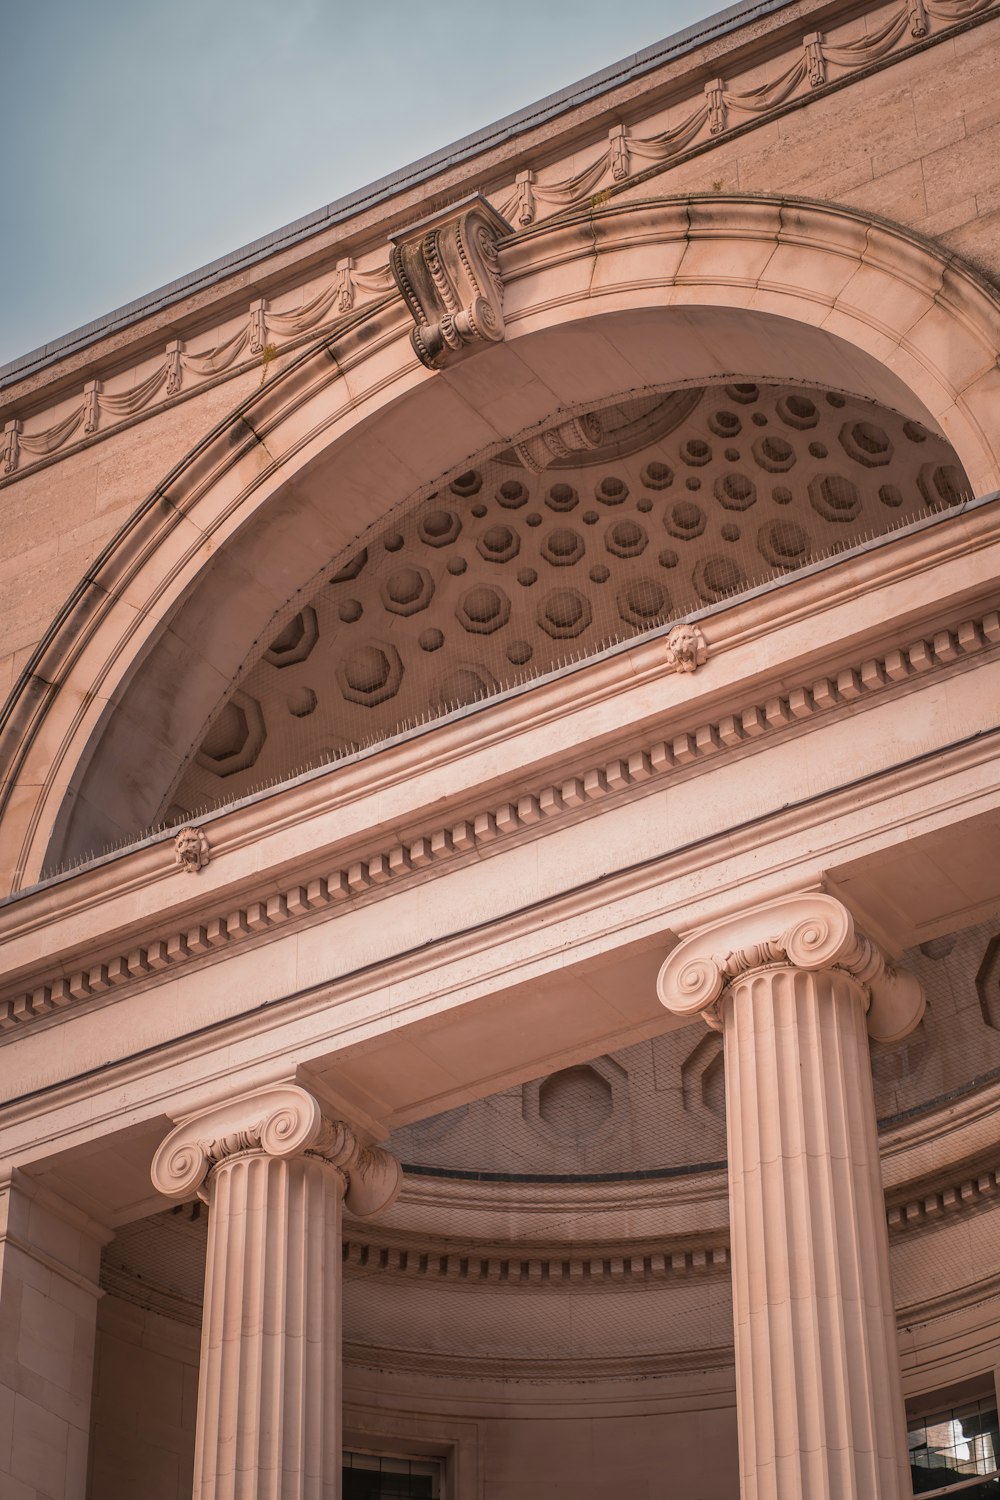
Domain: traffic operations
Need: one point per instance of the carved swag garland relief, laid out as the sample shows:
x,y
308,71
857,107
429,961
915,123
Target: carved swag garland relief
x,y
455,303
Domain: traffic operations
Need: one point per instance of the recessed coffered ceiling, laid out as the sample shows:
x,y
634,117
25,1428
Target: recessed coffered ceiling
x,y
598,529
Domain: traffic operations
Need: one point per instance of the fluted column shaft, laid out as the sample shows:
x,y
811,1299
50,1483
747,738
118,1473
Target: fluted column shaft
x,y
818,1385
796,991
269,1390
274,1172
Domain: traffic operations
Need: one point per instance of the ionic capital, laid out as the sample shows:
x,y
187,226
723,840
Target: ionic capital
x,y
284,1121
810,931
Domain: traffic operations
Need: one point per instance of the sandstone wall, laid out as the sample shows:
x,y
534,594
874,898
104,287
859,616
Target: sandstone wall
x,y
918,143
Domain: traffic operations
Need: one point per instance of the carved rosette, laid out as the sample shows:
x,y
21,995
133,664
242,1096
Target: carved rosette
x,y
281,1122
446,269
811,931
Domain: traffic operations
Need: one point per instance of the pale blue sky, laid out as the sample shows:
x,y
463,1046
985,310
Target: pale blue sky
x,y
143,138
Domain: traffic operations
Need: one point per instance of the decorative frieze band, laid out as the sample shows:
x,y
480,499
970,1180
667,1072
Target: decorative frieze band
x,y
910,1211
596,1266
181,370
576,795
530,1266
823,62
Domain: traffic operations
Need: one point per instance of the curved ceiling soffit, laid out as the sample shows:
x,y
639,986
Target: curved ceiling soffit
x,y
675,503
921,312
879,310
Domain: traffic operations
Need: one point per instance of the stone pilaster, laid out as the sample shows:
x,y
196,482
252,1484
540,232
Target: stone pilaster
x,y
50,1256
818,1386
274,1173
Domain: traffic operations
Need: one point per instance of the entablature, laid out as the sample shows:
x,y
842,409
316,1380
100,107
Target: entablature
x,y
387,1009
515,771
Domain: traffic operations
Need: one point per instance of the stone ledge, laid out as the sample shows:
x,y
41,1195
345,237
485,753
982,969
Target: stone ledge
x,y
367,875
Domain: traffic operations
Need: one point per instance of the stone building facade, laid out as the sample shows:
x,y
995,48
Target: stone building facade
x,y
500,958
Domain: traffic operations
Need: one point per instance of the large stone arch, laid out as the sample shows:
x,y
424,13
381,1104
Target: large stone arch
x,y
621,298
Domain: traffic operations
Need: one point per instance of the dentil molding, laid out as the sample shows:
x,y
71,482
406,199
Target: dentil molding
x,y
497,1266
514,1265
376,873
283,1122
809,931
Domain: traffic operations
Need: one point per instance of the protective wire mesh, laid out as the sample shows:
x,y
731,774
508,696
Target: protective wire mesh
x,y
658,1108
653,1110
165,1251
370,1476
676,505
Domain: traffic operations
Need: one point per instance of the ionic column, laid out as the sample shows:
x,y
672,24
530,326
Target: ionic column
x,y
818,1389
274,1173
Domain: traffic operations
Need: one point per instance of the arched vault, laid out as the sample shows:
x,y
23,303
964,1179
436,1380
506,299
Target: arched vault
x,y
661,294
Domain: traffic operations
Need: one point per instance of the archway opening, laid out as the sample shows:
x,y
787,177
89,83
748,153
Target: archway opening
x,y
252,592
600,529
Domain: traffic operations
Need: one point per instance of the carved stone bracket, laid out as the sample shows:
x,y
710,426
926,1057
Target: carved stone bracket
x,y
446,269
284,1121
809,931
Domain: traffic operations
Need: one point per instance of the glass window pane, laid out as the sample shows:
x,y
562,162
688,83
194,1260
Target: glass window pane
x,y
370,1476
953,1446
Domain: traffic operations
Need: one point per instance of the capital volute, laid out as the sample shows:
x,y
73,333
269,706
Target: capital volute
x,y
811,931
283,1121
446,268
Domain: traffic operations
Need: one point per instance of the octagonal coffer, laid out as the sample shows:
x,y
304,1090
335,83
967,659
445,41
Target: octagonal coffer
x,y
532,557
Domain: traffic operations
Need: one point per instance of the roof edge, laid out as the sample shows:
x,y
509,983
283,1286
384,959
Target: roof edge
x,y
383,188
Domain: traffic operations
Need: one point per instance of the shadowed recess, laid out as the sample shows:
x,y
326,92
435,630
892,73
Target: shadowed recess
x,y
599,530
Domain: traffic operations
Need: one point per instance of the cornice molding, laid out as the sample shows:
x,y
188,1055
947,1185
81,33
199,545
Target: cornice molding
x,y
968,1118
499,1367
523,1264
922,1206
616,1272
942,541
817,63
928,1309
429,1194
372,874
